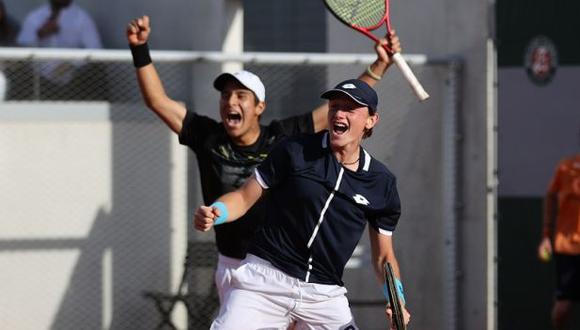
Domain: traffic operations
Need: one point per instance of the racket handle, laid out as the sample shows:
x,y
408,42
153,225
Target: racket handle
x,y
406,70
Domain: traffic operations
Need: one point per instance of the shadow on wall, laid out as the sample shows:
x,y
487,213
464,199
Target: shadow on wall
x,y
136,233
125,251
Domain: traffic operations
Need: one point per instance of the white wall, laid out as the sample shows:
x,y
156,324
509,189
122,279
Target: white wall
x,y
76,205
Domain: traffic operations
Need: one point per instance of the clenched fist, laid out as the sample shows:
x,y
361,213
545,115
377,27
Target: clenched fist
x,y
138,31
205,217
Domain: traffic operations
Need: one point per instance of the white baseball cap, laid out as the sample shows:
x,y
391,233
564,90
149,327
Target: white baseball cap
x,y
246,78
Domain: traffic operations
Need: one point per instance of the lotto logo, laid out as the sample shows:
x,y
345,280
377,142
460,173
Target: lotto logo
x,y
360,199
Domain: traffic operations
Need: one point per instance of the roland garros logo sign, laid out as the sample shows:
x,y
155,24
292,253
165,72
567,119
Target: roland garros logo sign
x,y
541,60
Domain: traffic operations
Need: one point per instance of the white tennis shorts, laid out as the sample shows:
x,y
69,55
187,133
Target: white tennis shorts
x,y
223,275
263,297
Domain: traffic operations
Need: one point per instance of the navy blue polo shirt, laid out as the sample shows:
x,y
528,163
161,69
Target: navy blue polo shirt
x,y
317,210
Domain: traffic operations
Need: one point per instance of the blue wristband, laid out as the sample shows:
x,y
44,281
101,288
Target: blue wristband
x,y
400,291
223,213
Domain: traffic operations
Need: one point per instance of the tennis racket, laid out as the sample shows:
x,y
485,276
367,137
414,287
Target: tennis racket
x,y
367,15
397,316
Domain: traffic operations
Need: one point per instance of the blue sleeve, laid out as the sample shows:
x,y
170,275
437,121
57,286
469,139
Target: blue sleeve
x,y
27,36
90,35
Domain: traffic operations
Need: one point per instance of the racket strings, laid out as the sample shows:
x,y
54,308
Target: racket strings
x,y
361,13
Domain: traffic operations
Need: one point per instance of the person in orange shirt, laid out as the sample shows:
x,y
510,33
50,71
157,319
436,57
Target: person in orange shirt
x,y
561,237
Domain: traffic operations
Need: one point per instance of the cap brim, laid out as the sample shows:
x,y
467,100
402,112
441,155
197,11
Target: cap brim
x,y
328,94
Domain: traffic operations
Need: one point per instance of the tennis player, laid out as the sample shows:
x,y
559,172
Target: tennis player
x,y
322,191
561,238
228,151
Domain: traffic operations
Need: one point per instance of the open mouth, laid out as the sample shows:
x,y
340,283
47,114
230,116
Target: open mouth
x,y
339,128
234,118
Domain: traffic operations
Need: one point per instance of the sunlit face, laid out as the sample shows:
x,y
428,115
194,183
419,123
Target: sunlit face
x,y
239,109
348,120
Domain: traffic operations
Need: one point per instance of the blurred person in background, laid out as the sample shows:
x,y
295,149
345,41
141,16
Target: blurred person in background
x,y
228,151
8,30
561,237
9,27
61,24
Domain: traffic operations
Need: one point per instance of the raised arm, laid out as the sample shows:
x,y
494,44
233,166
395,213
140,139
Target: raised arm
x,y
372,74
228,207
154,96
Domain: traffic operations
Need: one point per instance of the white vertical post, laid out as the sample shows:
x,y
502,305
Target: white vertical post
x,y
107,287
234,38
491,183
179,224
3,86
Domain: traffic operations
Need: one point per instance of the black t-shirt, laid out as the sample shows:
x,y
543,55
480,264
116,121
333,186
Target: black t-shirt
x,y
318,209
224,167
